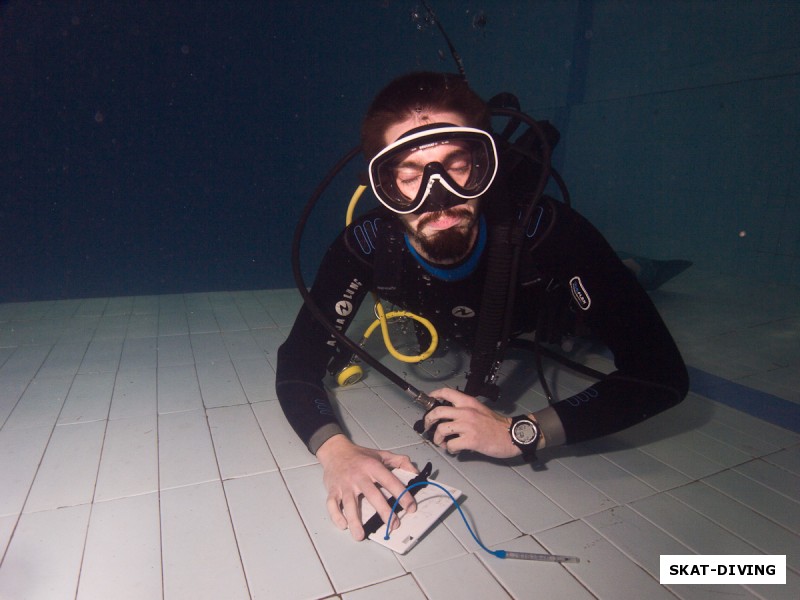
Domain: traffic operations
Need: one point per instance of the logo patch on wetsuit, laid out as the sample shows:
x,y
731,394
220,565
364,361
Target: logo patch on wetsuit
x,y
579,293
366,235
463,312
344,308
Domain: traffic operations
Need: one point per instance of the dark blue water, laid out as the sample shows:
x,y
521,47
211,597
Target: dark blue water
x,y
169,146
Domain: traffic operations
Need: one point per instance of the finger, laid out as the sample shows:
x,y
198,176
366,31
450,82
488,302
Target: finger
x,y
453,396
391,483
447,432
439,435
454,445
335,511
441,413
351,512
398,490
379,503
398,461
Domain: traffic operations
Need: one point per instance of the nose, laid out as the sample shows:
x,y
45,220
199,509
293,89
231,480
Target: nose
x,y
438,199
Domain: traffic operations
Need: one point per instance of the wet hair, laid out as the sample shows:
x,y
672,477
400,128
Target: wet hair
x,y
420,92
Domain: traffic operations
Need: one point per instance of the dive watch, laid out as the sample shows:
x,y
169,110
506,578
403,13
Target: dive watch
x,y
525,434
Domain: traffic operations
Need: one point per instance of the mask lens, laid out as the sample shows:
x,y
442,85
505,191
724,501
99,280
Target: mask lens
x,y
407,173
462,159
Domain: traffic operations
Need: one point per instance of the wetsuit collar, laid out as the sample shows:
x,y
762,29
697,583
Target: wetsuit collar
x,y
460,271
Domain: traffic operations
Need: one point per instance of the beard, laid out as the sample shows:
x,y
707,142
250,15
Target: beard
x,y
449,245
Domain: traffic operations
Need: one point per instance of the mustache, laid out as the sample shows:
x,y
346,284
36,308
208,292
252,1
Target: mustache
x,y
450,212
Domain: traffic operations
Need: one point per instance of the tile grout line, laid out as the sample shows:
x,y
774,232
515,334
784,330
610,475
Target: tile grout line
x,y
100,458
44,451
279,470
305,528
158,460
219,471
630,557
720,524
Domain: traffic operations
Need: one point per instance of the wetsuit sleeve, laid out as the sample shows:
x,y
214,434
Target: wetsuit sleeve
x,y
650,374
340,286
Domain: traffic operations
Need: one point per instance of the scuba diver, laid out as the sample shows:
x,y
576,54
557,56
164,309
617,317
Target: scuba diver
x,y
450,219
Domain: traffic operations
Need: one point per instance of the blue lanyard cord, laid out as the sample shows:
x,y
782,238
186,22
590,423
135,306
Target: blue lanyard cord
x,y
463,516
497,553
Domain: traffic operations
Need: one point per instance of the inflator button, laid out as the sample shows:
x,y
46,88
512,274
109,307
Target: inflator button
x,y
349,375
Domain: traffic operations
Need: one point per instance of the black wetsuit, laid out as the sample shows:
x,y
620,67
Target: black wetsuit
x,y
563,251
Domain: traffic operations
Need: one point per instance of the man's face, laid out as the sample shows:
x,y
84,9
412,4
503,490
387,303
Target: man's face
x,y
444,236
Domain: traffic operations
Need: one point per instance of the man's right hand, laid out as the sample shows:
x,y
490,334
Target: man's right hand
x,y
352,471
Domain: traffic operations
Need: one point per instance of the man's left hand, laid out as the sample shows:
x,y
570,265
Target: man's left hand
x,y
477,427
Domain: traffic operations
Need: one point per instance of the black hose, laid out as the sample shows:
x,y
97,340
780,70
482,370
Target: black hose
x,y
505,252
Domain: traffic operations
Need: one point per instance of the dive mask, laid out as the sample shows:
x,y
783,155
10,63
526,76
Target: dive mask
x,y
462,160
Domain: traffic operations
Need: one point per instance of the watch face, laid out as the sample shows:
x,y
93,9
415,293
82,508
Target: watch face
x,y
524,432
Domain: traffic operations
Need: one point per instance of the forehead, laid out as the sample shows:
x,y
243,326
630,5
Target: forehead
x,y
417,120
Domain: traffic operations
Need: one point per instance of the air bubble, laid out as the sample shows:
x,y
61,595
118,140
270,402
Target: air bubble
x,y
480,20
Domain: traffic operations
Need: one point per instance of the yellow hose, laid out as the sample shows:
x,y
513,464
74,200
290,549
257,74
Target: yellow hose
x,y
353,201
383,317
383,321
